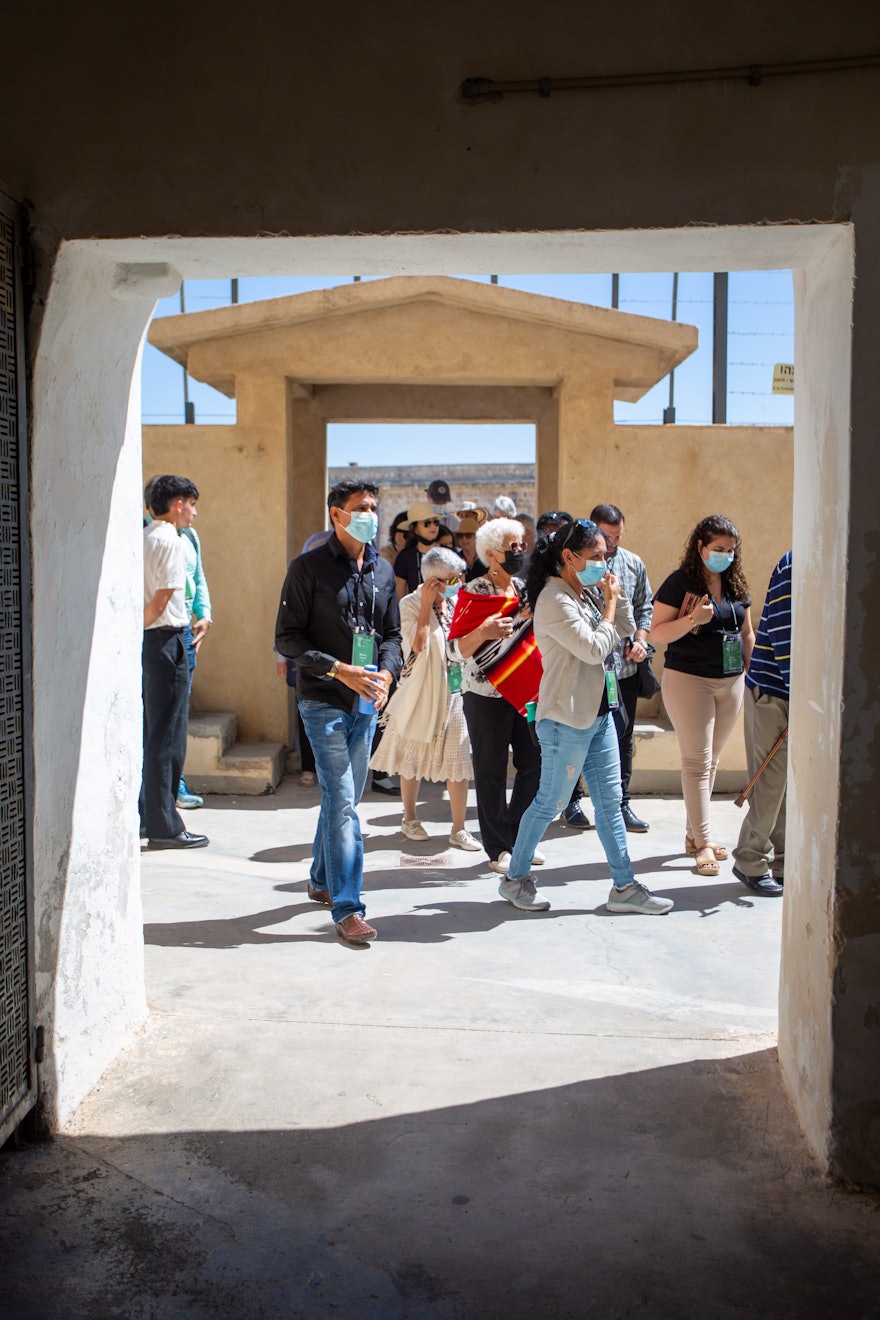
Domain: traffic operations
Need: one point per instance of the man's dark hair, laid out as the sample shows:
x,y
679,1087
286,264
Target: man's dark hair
x,y
553,518
165,490
607,513
343,490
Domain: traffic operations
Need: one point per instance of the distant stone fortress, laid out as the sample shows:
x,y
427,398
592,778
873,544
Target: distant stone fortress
x,y
482,483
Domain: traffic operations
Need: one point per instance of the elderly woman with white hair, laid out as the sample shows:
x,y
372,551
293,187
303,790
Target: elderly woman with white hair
x,y
491,608
425,735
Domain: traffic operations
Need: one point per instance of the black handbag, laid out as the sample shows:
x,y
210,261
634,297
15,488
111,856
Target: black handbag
x,y
648,686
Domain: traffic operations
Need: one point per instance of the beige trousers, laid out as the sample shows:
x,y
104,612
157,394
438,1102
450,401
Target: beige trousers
x,y
761,846
703,712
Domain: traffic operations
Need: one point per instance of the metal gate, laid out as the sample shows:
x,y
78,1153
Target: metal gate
x,y
17,1038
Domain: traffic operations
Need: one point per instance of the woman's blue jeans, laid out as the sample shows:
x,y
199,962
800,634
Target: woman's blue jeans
x,y
566,753
341,741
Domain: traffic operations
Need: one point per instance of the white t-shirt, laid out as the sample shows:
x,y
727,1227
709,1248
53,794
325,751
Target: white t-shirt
x,y
164,567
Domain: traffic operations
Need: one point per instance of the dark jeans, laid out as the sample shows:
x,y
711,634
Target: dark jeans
x,y
166,709
306,753
628,689
494,727
191,655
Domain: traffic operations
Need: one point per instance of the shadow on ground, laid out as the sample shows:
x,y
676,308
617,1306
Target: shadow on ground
x,y
678,1192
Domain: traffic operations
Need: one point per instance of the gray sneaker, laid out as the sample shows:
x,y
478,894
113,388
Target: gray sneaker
x,y
636,898
523,894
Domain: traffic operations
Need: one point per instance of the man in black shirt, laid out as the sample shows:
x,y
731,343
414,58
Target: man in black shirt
x,y
338,614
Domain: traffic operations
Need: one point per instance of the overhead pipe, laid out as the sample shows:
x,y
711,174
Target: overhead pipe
x,y
483,89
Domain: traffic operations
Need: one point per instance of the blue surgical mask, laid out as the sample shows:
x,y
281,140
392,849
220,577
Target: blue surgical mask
x,y
718,560
593,571
363,526
450,591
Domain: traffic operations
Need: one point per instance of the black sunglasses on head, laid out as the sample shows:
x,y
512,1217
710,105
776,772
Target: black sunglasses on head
x,y
589,527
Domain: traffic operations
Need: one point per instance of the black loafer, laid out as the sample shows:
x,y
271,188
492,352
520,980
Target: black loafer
x,y
182,840
631,821
575,818
390,787
760,884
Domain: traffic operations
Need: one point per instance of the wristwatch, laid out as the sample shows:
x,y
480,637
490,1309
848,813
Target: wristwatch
x,y
334,669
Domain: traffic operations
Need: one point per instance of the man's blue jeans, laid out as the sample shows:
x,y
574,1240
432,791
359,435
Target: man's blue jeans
x,y
341,741
566,753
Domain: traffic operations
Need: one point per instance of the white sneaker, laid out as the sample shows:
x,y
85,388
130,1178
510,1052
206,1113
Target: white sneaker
x,y
538,859
413,829
636,898
523,894
500,866
461,839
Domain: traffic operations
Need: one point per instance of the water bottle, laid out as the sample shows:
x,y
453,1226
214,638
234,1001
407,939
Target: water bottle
x,y
365,706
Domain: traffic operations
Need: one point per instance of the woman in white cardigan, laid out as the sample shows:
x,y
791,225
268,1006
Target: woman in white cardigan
x,y
580,617
425,735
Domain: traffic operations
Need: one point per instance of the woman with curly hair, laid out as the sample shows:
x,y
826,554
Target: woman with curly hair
x,y
702,615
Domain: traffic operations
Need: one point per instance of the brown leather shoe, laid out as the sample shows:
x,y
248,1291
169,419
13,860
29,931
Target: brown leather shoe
x,y
320,896
354,930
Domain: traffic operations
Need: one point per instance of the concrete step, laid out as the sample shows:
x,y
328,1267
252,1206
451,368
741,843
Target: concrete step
x,y
657,761
217,763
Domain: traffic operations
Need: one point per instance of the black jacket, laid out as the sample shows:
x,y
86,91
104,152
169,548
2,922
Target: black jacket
x,y
316,618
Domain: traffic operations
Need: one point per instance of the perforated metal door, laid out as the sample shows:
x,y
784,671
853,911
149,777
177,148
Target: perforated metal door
x,y
17,1071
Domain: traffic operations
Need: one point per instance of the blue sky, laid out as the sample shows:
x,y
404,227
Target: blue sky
x,y
760,333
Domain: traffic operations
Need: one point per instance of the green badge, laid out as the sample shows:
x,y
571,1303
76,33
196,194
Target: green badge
x,y
362,648
453,677
732,653
611,689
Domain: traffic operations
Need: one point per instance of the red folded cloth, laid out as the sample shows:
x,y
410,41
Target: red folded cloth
x,y
511,664
472,610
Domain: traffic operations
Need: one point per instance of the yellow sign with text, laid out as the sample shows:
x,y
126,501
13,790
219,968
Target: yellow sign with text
x,y
783,378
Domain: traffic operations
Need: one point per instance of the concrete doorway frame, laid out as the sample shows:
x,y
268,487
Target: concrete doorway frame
x,y
85,521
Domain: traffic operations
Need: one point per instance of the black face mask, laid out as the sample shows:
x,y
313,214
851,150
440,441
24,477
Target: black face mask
x,y
513,561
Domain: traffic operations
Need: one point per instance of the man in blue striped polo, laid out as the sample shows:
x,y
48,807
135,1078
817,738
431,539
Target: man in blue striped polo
x,y
759,856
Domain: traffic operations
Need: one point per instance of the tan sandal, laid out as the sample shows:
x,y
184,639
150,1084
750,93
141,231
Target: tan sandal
x,y
690,847
708,866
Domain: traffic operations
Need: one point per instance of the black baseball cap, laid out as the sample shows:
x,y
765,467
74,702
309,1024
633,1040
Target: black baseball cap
x,y
438,492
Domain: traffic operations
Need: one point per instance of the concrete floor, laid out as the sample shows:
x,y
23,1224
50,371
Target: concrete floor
x,y
484,1114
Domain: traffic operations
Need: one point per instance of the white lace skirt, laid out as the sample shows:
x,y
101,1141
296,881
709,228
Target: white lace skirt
x,y
447,757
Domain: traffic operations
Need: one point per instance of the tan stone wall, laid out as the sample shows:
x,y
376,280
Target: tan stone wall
x,y
242,525
664,479
481,483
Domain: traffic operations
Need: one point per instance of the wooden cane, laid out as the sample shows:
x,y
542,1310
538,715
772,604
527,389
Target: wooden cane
x,y
741,797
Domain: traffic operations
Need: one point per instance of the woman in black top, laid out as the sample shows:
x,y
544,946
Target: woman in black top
x,y
423,526
702,615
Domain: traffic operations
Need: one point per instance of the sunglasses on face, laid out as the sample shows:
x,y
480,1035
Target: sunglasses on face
x,y
430,522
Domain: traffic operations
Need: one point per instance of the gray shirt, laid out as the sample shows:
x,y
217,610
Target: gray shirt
x,y
574,641
635,586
